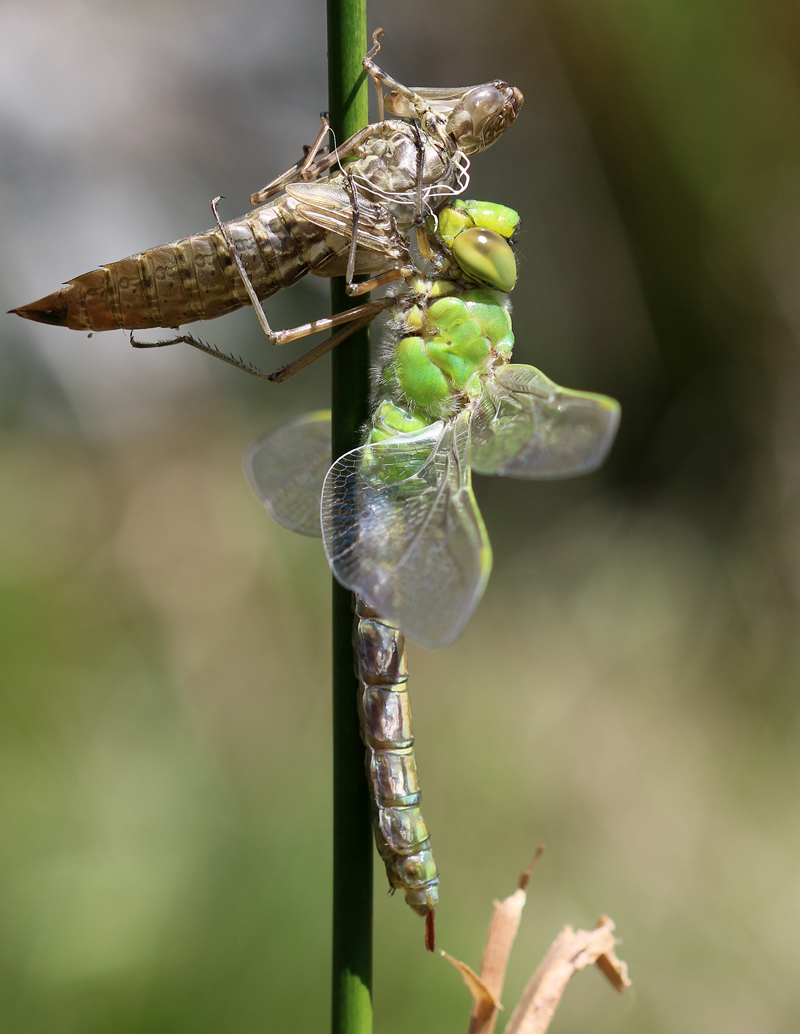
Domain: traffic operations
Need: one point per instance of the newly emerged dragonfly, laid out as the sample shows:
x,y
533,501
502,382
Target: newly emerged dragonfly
x,y
398,516
399,521
351,222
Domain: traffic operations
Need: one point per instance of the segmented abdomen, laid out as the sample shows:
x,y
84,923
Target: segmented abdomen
x,y
385,713
194,278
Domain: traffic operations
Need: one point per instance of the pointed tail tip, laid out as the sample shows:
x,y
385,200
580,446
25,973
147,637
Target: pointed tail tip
x,y
430,939
51,309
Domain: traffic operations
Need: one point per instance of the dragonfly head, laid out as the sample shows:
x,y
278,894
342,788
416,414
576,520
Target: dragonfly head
x,y
483,114
477,233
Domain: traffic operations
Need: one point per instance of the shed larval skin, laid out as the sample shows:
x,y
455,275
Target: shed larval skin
x,y
394,165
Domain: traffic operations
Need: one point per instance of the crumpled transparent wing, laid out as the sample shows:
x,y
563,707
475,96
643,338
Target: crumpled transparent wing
x,y
286,469
402,529
526,426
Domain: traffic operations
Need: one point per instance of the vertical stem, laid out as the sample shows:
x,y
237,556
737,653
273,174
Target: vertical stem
x,y
351,992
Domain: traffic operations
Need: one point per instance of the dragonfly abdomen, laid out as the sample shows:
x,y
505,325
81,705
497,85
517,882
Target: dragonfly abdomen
x,y
385,713
194,278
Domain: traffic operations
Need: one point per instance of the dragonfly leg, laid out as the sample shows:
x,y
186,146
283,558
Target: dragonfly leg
x,y
305,170
256,301
276,186
381,78
351,258
420,145
187,339
300,169
376,82
389,277
354,290
285,372
369,310
353,320
322,164
281,337
347,149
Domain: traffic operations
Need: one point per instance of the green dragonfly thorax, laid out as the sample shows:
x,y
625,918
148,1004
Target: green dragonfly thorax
x,y
459,336
453,329
400,523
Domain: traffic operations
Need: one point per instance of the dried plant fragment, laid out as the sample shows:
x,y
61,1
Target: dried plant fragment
x,y
486,1005
487,989
571,951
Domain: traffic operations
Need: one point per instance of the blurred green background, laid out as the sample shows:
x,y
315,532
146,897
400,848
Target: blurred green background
x,y
627,692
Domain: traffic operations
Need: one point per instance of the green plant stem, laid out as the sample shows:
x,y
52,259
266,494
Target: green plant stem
x,y
351,991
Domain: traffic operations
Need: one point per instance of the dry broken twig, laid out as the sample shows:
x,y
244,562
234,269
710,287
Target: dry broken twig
x,y
571,951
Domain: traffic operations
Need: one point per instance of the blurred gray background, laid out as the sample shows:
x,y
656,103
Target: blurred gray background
x,y
627,692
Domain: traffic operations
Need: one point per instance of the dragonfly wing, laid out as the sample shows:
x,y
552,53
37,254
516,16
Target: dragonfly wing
x,y
402,529
527,426
286,469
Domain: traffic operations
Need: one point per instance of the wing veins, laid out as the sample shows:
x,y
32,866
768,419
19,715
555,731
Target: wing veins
x,y
418,535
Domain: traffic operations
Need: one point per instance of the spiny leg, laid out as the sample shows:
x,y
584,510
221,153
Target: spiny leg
x,y
381,78
392,275
187,339
423,110
321,165
419,220
307,169
358,317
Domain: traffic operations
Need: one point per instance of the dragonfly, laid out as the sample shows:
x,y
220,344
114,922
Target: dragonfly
x,y
398,517
347,212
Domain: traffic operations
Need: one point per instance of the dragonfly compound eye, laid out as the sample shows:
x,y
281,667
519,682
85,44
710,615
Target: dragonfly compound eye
x,y
486,256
